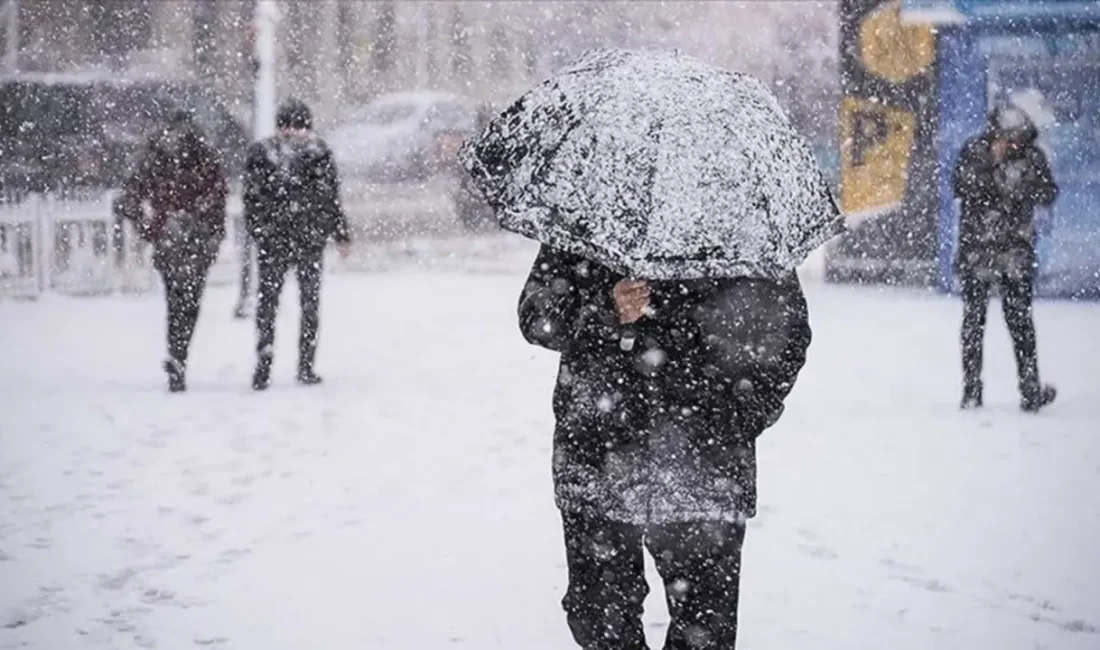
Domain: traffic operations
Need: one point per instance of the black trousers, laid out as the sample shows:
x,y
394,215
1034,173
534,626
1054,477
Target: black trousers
x,y
1017,292
273,268
699,563
184,278
245,248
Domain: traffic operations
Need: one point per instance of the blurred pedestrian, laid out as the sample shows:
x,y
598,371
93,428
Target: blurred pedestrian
x,y
1000,178
181,178
292,207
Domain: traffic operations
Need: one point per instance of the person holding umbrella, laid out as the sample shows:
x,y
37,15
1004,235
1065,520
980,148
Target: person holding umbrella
x,y
672,202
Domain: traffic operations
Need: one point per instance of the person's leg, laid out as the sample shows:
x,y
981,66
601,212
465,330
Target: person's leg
x,y
309,273
192,286
1018,293
607,586
174,298
272,273
700,565
975,297
244,250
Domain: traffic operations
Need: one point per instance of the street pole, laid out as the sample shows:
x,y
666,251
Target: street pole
x,y
265,22
264,97
11,56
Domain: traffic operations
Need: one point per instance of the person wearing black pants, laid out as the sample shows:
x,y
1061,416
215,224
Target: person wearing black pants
x,y
1016,299
655,438
699,564
182,178
292,206
274,266
1000,178
183,265
245,249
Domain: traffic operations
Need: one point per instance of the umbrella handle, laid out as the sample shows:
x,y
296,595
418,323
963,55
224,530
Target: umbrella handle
x,y
627,339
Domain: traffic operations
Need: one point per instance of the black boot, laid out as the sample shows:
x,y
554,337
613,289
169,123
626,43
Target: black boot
x,y
972,396
307,377
175,371
1037,397
261,379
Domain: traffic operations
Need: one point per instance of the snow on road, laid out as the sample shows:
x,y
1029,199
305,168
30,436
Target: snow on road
x,y
406,504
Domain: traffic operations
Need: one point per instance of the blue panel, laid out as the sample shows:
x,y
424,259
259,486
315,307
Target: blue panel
x,y
962,114
970,11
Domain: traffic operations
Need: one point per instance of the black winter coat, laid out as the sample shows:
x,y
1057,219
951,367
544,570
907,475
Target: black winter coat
x,y
292,194
178,174
997,221
664,432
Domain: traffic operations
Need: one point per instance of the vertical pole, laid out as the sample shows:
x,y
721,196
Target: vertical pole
x,y
267,19
11,56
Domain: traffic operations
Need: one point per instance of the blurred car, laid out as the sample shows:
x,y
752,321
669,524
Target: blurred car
x,y
85,132
404,136
470,208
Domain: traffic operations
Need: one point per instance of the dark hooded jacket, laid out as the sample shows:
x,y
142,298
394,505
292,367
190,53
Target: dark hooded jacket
x,y
665,431
292,188
179,174
999,196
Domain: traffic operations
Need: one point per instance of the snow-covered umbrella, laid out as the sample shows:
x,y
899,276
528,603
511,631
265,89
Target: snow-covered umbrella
x,y
658,165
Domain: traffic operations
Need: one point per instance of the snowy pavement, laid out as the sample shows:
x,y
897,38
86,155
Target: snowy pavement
x,y
406,504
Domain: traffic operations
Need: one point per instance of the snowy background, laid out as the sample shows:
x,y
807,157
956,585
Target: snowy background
x,y
407,504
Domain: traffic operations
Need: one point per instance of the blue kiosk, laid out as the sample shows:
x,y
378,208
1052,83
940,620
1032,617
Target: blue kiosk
x,y
1043,56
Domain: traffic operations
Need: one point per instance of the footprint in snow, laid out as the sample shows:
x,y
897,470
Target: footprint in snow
x,y
1041,604
232,554
1080,626
818,551
894,564
117,580
930,584
232,499
807,534
41,543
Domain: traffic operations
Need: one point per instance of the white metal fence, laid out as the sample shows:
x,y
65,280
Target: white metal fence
x,y
74,245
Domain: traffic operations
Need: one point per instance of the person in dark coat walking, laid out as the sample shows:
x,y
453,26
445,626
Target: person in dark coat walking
x,y
181,177
662,391
292,207
1000,177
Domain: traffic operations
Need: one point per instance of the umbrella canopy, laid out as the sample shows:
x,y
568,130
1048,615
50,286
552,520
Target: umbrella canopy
x,y
657,165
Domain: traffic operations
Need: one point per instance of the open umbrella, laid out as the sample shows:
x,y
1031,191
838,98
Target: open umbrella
x,y
657,165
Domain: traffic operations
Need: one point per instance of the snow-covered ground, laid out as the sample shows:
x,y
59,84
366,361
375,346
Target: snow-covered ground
x,y
406,504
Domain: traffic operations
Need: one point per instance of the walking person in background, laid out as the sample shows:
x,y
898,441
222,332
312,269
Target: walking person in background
x,y
182,178
292,207
1000,178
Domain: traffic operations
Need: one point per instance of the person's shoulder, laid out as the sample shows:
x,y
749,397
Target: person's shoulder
x,y
263,150
1034,152
318,146
976,144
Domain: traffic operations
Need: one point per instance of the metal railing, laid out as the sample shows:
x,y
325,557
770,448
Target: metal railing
x,y
73,245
